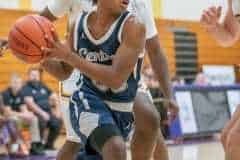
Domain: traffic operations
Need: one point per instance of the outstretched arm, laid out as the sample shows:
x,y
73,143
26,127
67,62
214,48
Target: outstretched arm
x,y
159,64
226,33
113,76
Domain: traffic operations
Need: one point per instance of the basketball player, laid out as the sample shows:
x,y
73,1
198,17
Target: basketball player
x,y
145,107
142,8
108,48
226,34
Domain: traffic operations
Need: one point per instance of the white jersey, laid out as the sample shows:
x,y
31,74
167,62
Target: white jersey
x,y
140,8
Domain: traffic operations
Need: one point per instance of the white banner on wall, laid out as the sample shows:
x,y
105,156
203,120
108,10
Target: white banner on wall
x,y
188,9
186,113
219,74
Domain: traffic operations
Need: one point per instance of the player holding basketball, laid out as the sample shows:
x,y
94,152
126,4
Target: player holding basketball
x,y
226,34
143,106
108,45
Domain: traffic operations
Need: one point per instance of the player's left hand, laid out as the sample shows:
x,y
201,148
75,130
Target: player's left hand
x,y
173,110
58,50
210,18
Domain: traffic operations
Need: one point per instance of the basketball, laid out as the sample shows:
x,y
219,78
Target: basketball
x,y
27,36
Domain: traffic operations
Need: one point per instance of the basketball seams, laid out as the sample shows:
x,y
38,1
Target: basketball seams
x,y
29,39
38,55
41,28
34,38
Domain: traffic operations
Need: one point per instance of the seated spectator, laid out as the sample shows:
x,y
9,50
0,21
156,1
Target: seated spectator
x,y
201,79
154,87
15,110
40,99
151,82
9,135
177,81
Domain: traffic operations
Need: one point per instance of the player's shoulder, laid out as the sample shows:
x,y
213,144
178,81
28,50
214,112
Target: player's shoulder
x,y
134,26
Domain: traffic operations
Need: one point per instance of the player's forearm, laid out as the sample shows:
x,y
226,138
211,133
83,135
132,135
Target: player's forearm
x,y
59,70
36,109
103,74
160,66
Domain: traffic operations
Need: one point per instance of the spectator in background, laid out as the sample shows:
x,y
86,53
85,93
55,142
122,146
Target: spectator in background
x,y
9,135
201,79
178,81
15,110
151,82
40,99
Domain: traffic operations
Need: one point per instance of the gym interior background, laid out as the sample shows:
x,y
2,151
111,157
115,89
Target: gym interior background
x,y
204,74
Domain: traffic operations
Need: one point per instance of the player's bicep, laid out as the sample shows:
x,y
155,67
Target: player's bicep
x,y
132,46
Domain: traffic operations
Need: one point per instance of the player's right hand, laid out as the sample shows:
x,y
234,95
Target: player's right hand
x,y
3,46
210,18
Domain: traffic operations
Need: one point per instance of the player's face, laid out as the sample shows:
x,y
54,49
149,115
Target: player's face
x,y
34,76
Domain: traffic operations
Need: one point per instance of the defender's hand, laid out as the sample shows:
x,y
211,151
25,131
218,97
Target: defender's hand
x,y
210,18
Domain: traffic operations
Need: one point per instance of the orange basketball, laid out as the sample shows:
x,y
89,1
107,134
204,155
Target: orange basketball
x,y
26,37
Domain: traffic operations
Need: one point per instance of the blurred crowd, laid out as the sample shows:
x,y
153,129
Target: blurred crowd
x,y
30,119
152,83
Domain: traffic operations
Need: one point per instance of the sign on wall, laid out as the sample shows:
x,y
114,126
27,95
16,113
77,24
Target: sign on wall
x,y
188,9
219,74
186,113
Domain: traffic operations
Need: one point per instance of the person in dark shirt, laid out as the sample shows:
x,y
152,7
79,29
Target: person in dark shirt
x,y
15,110
38,97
